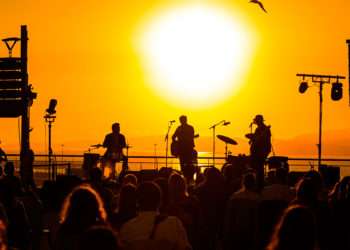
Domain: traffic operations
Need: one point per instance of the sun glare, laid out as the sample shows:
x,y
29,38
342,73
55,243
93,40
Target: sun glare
x,y
195,55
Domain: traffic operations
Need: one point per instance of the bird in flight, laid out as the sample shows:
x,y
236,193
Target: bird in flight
x,y
260,4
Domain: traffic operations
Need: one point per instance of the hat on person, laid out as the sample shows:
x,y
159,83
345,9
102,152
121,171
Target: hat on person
x,y
259,118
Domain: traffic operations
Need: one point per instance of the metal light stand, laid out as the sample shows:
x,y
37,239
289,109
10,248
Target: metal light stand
x,y
49,119
214,128
170,124
348,42
320,80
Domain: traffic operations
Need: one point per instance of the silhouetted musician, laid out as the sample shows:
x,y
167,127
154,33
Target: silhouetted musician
x,y
115,143
260,147
184,138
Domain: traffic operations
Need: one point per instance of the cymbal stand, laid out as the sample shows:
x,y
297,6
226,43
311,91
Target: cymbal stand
x,y
213,128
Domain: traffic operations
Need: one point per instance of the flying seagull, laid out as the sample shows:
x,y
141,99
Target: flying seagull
x,y
260,4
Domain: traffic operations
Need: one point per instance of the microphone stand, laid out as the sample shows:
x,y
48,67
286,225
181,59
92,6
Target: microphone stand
x,y
170,124
213,128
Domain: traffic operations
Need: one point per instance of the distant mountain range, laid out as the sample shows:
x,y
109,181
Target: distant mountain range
x,y
335,144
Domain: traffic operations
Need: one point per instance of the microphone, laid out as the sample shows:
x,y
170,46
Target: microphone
x,y
226,123
250,125
172,121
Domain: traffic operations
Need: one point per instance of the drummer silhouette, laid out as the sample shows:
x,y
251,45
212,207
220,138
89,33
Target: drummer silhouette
x,y
114,143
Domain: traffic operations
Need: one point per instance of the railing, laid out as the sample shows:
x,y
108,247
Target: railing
x,y
67,164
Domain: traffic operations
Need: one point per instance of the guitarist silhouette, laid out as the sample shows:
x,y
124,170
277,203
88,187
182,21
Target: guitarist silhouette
x,y
260,147
184,138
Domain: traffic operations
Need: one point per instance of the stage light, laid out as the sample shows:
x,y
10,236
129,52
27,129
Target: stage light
x,y
10,43
52,107
337,91
303,87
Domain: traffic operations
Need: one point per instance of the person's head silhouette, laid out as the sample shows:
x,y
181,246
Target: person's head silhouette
x,y
259,120
149,196
296,230
83,207
116,128
183,120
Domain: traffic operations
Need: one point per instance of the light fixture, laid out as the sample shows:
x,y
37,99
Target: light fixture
x,y
337,91
303,87
52,107
10,43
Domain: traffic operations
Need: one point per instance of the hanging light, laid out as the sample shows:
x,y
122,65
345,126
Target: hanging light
x,y
337,91
303,87
10,43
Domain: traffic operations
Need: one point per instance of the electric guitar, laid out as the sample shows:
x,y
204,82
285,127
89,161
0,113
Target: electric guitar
x,y
174,147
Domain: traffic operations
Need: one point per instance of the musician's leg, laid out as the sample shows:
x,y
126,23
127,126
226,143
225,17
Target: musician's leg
x,y
124,169
182,160
258,165
113,165
188,168
125,166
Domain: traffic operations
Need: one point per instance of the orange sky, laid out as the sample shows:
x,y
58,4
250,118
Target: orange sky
x,y
83,53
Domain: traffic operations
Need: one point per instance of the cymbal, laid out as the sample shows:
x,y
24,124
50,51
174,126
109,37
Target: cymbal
x,y
227,140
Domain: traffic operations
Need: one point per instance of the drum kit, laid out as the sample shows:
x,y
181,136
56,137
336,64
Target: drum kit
x,y
95,159
228,141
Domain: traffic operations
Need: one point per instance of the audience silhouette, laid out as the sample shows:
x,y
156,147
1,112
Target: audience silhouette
x,y
221,210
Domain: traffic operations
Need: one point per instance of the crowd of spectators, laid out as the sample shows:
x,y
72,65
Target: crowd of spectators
x,y
220,209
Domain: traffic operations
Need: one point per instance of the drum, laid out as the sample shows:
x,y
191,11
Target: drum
x,y
275,162
90,160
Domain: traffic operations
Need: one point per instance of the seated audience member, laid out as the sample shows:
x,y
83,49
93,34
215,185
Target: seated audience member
x,y
82,209
18,226
296,230
129,179
163,184
10,179
279,189
211,194
340,207
306,193
240,219
127,207
233,178
149,225
96,182
318,182
99,237
308,196
165,172
248,190
183,206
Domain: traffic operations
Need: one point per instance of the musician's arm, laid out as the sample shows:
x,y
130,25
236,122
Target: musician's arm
x,y
123,141
106,142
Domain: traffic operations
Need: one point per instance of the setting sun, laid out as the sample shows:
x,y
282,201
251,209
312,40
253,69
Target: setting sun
x,y
196,55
